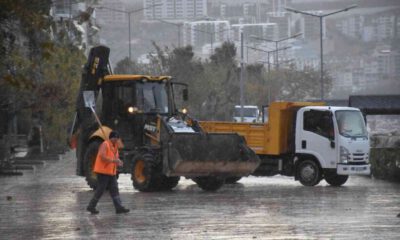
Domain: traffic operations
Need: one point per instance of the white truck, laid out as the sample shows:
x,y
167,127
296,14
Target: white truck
x,y
251,114
306,140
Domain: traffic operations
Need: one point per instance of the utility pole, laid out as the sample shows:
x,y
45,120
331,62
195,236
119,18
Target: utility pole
x,y
241,76
129,35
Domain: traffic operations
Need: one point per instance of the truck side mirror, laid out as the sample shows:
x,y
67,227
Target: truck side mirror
x,y
185,94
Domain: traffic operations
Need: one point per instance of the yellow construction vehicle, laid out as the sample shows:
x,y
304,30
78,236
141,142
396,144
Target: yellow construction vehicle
x,y
307,140
160,143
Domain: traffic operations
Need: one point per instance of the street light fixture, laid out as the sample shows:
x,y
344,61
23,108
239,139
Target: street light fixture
x,y
179,25
321,16
269,65
268,53
276,44
129,19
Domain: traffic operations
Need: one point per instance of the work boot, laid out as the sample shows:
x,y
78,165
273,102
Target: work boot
x,y
92,206
92,210
118,205
121,210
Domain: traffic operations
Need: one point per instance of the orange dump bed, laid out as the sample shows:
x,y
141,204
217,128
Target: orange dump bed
x,y
271,138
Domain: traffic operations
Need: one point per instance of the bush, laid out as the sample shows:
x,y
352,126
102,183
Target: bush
x,y
385,157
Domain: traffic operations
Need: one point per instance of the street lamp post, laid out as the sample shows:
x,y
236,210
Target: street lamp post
x,y
129,20
321,16
241,83
276,44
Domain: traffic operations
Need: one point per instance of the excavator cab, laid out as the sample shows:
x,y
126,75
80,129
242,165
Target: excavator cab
x,y
131,101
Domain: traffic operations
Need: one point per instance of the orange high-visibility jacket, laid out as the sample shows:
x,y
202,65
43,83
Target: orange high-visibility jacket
x,y
104,167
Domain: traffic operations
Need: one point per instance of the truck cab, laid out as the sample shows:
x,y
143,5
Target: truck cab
x,y
334,136
251,114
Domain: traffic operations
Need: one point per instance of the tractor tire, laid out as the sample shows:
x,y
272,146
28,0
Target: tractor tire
x,y
232,180
89,160
209,183
145,175
309,173
168,183
336,180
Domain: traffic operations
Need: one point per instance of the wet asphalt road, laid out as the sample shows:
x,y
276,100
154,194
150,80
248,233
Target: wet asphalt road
x,y
50,202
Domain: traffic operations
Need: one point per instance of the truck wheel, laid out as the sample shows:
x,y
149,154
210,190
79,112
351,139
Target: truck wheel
x,y
145,176
232,180
90,158
309,173
336,180
169,183
209,183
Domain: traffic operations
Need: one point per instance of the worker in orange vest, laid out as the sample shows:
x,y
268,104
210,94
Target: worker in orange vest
x,y
105,167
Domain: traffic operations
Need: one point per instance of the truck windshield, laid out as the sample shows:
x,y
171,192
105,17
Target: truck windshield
x,y
152,97
351,123
247,112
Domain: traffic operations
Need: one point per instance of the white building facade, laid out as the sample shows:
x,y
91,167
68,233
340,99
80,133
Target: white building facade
x,y
201,33
175,9
261,30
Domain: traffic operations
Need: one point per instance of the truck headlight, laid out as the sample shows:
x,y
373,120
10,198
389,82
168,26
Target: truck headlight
x,y
344,155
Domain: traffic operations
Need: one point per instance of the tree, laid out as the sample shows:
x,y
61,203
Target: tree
x,y
258,85
183,67
38,81
287,84
224,55
214,84
56,95
21,21
219,84
296,85
126,66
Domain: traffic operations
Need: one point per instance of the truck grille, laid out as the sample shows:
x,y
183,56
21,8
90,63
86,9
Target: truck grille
x,y
358,158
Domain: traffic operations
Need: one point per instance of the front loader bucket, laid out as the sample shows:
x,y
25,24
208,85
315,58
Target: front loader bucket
x,y
208,154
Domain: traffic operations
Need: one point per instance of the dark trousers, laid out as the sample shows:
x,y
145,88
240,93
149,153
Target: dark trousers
x,y
104,181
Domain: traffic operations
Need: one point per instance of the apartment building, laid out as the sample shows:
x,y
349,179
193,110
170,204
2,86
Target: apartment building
x,y
175,9
200,33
